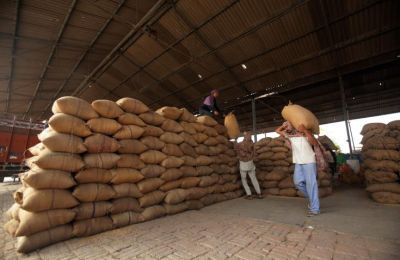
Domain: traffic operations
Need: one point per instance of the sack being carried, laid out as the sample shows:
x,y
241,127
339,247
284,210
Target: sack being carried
x,y
232,126
298,115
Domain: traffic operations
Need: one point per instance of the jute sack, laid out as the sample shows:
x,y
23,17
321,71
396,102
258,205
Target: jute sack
x,y
34,222
40,200
382,142
92,226
281,163
278,149
298,115
264,149
175,196
385,165
125,175
221,129
198,126
188,171
388,187
189,161
194,204
170,185
13,211
272,191
68,124
380,176
152,131
126,218
176,208
153,212
151,198
217,168
92,209
152,157
93,192
210,131
107,108
188,128
209,199
93,175
132,105
126,190
44,238
57,142
131,119
371,126
11,227
275,176
200,137
74,106
208,180
204,160
289,192
265,156
171,126
48,179
187,138
172,150
152,142
58,161
382,154
386,197
222,139
204,170
374,133
232,126
101,160
286,183
202,149
130,161
189,182
325,183
206,120
125,204
172,162
211,141
149,185
103,125
132,146
171,138
99,143
171,174
37,149
152,170
394,125
269,184
152,118
129,132
196,193
187,116
170,112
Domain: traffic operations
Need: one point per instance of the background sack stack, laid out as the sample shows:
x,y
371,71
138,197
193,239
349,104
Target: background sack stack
x,y
109,164
381,161
275,169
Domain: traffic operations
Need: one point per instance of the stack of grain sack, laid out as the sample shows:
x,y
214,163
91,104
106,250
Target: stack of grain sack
x,y
274,169
381,161
109,164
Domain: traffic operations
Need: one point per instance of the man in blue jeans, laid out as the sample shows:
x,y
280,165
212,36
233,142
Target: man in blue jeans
x,y
305,172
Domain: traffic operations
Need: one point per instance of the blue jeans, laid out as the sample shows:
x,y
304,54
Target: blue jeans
x,y
305,179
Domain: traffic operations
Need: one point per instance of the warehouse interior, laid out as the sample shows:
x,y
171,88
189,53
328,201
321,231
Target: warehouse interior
x,y
339,59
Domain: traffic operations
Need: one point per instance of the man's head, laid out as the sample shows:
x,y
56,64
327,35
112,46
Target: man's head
x,y
247,136
215,93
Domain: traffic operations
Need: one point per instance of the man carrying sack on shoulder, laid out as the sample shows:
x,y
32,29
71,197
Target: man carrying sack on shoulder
x,y
245,153
307,155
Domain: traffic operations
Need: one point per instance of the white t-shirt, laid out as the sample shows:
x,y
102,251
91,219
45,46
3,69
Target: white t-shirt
x,y
302,150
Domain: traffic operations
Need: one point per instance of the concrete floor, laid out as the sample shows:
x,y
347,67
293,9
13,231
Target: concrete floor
x,y
348,210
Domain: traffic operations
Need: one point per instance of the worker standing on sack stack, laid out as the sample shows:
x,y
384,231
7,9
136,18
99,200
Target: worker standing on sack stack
x,y
245,153
209,107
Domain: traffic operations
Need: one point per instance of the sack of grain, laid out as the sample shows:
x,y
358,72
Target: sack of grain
x,y
99,143
189,182
132,146
152,131
186,116
37,149
152,170
57,142
382,154
92,226
199,127
132,105
176,208
382,142
385,165
372,126
171,138
58,161
172,162
206,120
125,175
387,187
170,112
93,175
175,196
129,132
187,138
203,170
171,126
188,171
394,125
11,227
196,193
386,197
126,218
130,119
153,212
380,176
130,161
275,176
200,137
232,126
204,160
172,150
13,211
298,115
93,192
286,183
211,141
68,124
152,157
126,190
170,185
101,160
92,209
188,128
149,185
152,198
171,174
48,179
125,204
103,125
107,108
189,161
208,180
152,142
152,118
74,106
194,204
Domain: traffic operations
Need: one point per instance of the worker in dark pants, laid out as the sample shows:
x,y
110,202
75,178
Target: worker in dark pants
x,y
209,107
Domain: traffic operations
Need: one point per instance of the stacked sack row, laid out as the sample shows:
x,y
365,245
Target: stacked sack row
x,y
109,164
381,161
275,169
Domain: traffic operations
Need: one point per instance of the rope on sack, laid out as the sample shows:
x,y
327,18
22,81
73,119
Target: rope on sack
x,y
93,209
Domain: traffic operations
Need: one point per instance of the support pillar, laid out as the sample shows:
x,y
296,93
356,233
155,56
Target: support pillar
x,y
253,113
345,113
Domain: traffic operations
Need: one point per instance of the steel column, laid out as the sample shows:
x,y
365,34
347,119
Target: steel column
x,y
344,110
253,113
10,140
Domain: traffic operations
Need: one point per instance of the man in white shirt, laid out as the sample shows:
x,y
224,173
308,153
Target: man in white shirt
x,y
305,172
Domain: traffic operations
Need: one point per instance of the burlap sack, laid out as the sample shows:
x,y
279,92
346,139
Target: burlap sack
x,y
203,170
272,191
211,141
382,154
374,133
58,161
171,138
152,131
13,211
286,183
384,165
125,204
170,185
74,106
202,149
48,179
170,112
103,125
129,132
101,160
325,183
208,180
132,105
126,190
382,142
204,160
40,200
206,120
126,218
372,126
92,209
149,185
107,108
99,143
132,146
269,184
34,222
152,171
187,116
11,227
189,161
217,168
57,142
394,125
279,149
200,137
232,126
152,118
194,204
222,148
152,142
172,150
92,226
209,199
298,115
210,132
199,127
188,128
153,212
265,156
387,187
152,157
44,238
171,174
386,197
175,196
171,126
264,149
188,171
189,182
380,176
281,163
131,119
172,162
221,129
222,139
152,198
93,192
37,149
130,161
275,176
174,209
125,175
196,193
93,175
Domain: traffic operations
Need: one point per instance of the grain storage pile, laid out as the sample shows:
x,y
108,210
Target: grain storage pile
x,y
381,161
109,164
275,169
